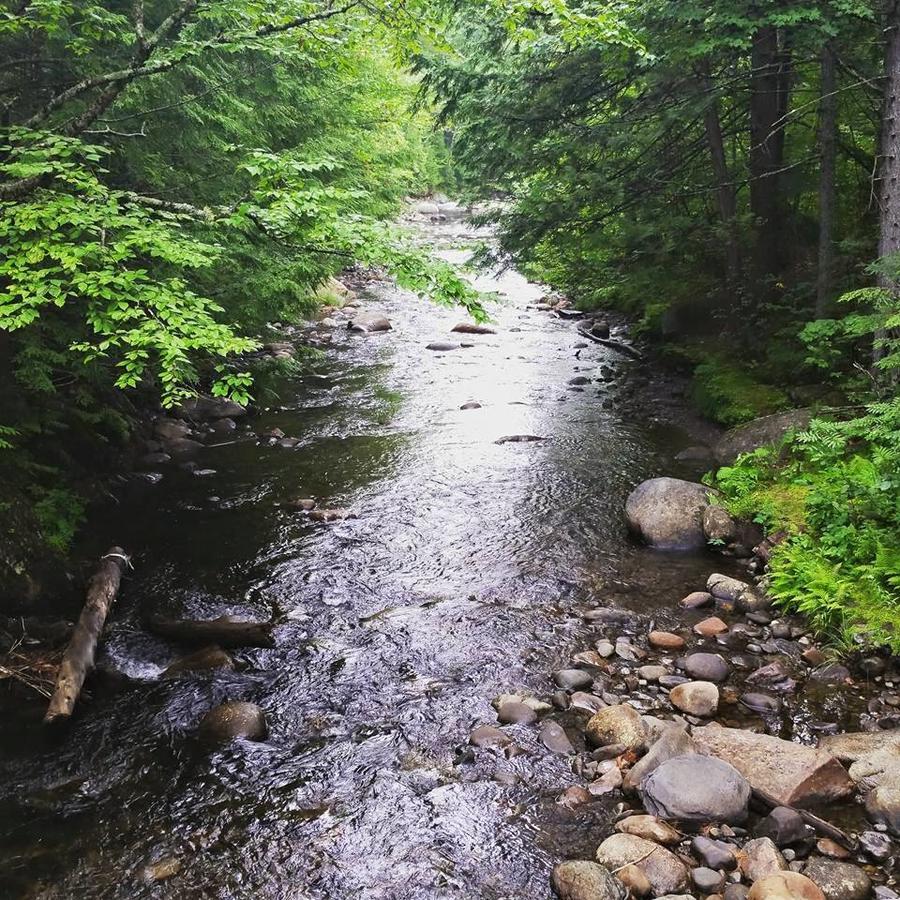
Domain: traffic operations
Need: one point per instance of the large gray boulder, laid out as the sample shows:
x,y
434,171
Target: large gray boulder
x,y
839,880
793,774
667,513
765,432
696,789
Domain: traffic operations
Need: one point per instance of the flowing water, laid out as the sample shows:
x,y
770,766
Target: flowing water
x,y
462,577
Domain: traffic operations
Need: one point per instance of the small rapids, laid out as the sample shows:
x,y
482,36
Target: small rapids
x,y
462,578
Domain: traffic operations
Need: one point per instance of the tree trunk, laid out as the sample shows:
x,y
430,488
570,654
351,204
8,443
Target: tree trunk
x,y
224,631
889,157
725,191
769,93
827,165
78,659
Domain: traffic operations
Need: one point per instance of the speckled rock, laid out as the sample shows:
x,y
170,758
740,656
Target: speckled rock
x,y
617,725
663,869
667,513
785,886
582,880
233,720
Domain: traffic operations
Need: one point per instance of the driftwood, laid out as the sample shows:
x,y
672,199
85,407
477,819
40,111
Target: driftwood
x,y
226,631
78,660
613,345
768,802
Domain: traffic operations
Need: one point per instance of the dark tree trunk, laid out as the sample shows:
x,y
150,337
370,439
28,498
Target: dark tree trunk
x,y
827,164
770,82
725,190
889,155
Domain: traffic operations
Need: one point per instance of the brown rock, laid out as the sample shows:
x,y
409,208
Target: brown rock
x,y
664,870
233,720
203,660
785,886
650,828
665,640
635,880
711,627
697,600
760,858
617,725
793,774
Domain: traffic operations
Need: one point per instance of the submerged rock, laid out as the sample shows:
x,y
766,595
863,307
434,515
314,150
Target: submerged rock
x,y
667,513
473,328
233,720
442,346
706,667
202,660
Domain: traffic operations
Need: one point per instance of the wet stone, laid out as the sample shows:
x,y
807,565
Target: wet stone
x,y
652,673
783,826
785,886
620,724
711,627
585,702
706,667
697,600
605,648
573,679
515,713
761,703
832,849
696,698
665,640
555,739
760,858
490,737
233,720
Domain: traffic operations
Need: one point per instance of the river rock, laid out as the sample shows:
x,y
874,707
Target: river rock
x,y
839,880
512,712
718,526
766,431
876,845
785,886
489,737
170,429
883,804
673,742
710,627
761,703
697,600
233,720
573,679
584,702
760,858
472,404
665,640
783,826
723,587
617,725
202,660
706,667
715,854
664,870
331,515
696,698
852,746
442,346
793,774
183,448
579,879
520,439
650,828
369,323
555,739
652,673
696,789
637,883
202,409
667,513
473,328
707,881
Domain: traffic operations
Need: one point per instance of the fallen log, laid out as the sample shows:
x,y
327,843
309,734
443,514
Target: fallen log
x,y
226,631
768,803
625,349
78,659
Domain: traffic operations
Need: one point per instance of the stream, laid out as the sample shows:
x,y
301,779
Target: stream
x,y
462,578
